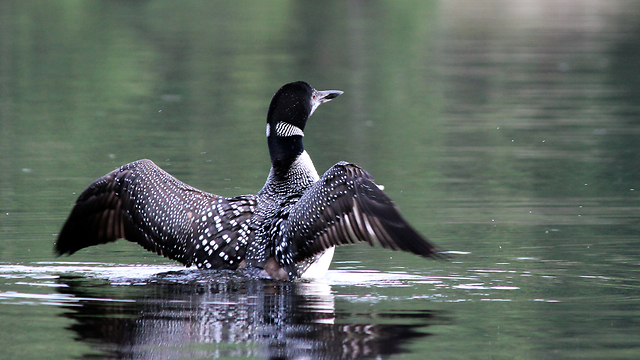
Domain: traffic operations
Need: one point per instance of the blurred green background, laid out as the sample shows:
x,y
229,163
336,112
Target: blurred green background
x,y
463,110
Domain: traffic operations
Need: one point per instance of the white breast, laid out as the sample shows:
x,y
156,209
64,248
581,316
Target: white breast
x,y
304,162
319,268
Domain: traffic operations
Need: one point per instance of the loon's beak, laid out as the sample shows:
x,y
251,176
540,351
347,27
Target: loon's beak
x,y
320,97
326,95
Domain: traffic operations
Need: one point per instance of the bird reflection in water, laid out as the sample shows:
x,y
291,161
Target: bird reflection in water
x,y
219,314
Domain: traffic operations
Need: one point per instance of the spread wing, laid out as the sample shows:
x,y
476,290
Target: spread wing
x,y
142,203
344,207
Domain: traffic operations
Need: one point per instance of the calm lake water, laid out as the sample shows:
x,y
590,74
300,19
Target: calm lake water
x,y
508,133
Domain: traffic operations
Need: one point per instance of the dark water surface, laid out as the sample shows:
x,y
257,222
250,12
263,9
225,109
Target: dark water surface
x,y
507,132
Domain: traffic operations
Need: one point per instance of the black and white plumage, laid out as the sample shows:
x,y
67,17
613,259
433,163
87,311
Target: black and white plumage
x,y
288,230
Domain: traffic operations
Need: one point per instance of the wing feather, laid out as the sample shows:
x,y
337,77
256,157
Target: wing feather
x,y
344,207
142,203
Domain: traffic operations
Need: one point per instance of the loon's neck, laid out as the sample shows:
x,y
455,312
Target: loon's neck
x,y
284,150
294,179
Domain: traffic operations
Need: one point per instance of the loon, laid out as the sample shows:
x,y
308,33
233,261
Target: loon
x,y
288,230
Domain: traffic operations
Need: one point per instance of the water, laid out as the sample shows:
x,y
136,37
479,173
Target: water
x,y
506,132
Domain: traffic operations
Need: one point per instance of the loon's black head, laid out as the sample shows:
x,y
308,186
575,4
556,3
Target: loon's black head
x,y
289,111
